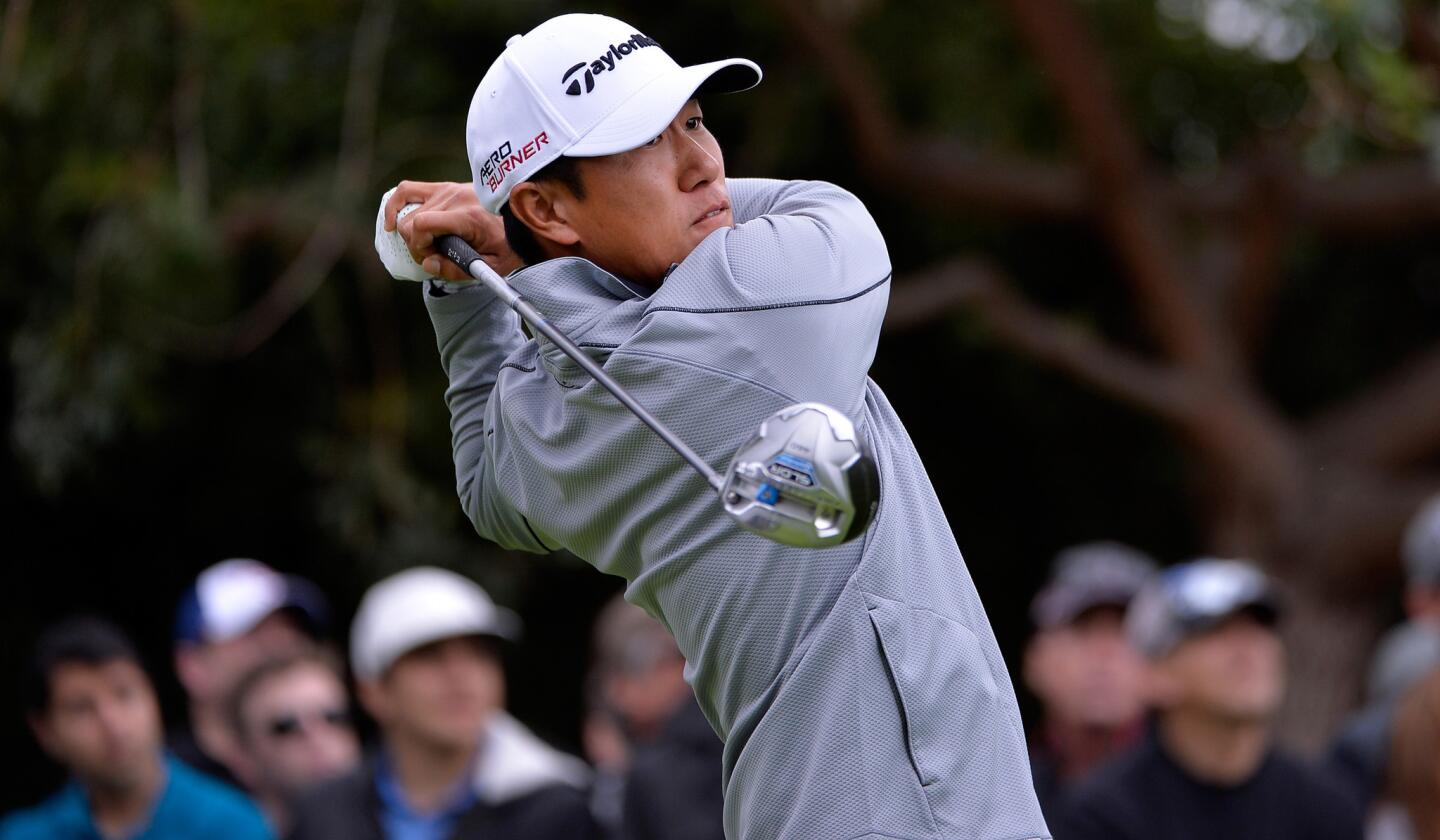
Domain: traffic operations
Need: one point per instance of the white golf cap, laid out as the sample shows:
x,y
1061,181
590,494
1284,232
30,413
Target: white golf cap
x,y
416,607
232,597
579,85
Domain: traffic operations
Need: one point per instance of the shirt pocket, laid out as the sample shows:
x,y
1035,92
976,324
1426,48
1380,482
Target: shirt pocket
x,y
943,684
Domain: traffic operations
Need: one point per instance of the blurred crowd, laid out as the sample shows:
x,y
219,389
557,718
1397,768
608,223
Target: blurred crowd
x,y
270,748
1158,692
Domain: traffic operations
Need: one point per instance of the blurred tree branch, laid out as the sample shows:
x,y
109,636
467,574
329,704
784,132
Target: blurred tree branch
x,y
1130,210
12,42
1393,423
1384,198
1085,356
191,157
329,239
937,171
1422,37
1263,229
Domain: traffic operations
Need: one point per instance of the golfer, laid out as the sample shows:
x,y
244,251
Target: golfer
x,y
858,688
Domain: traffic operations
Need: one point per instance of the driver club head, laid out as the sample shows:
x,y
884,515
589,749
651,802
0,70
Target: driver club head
x,y
805,479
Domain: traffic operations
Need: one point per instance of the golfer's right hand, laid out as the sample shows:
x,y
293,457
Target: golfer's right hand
x,y
448,208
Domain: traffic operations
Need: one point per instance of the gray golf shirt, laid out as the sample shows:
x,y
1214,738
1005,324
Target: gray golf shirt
x,y
858,688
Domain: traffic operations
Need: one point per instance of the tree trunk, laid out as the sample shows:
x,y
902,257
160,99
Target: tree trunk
x,y
1328,642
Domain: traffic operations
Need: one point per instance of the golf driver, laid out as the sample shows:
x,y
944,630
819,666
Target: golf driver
x,y
805,478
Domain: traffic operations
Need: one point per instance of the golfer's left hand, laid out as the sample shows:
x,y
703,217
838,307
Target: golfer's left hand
x,y
448,208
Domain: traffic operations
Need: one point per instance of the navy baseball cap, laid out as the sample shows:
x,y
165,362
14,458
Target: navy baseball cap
x,y
232,597
1191,598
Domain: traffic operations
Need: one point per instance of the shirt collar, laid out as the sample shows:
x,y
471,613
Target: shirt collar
x,y
392,796
75,810
569,275
595,308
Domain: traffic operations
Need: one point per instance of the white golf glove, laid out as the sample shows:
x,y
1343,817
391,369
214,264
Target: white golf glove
x,y
391,246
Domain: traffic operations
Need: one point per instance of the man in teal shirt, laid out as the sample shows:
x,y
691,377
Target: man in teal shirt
x,y
93,710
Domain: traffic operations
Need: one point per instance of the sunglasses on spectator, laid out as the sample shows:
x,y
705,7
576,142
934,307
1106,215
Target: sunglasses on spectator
x,y
286,726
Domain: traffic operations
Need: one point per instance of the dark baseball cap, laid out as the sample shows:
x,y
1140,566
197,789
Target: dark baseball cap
x,y
1085,577
1191,598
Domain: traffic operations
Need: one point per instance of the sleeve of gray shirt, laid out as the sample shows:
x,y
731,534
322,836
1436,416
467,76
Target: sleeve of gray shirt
x,y
475,333
792,298
796,244
799,242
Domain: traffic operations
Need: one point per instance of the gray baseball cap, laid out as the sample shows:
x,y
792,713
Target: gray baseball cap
x,y
1422,545
1190,598
1084,577
1402,659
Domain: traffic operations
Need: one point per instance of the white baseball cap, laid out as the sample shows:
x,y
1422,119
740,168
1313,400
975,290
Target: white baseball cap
x,y
579,85
232,597
419,606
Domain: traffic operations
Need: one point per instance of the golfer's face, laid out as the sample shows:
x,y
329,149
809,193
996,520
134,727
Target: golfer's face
x,y
649,207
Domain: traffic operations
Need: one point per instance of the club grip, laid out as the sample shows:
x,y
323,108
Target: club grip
x,y
456,250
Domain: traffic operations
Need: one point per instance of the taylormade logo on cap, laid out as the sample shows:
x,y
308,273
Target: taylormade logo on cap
x,y
582,86
604,62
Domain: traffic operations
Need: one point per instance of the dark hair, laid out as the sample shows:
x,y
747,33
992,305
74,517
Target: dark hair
x,y
257,676
562,170
83,640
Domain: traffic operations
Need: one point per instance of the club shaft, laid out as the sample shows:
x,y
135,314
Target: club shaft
x,y
460,252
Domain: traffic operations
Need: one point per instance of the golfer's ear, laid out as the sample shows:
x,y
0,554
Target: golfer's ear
x,y
545,209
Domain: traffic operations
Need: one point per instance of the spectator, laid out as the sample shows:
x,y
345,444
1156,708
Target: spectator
x,y
292,724
452,763
93,710
1208,767
1359,754
673,788
1422,564
1413,771
1406,654
607,746
237,613
1082,668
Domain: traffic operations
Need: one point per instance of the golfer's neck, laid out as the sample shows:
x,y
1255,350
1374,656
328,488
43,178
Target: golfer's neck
x,y
554,250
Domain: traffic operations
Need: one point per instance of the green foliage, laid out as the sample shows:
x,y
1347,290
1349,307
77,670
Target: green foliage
x,y
1363,92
